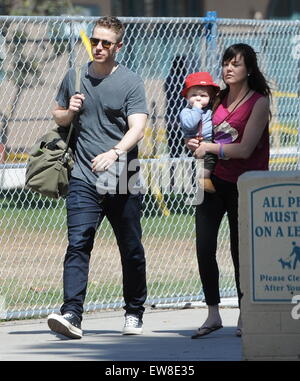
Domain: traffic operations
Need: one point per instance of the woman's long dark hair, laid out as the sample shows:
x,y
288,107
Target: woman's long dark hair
x,y
256,80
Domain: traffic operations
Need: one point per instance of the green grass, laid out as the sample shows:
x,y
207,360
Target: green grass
x,y
178,226
19,214
173,226
19,298
32,220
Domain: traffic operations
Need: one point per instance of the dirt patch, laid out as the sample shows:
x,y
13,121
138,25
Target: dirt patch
x,y
33,262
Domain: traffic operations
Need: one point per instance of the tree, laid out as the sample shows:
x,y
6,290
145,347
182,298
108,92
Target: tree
x,y
36,7
25,70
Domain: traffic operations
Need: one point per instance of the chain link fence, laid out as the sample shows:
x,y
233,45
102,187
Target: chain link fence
x,y
35,53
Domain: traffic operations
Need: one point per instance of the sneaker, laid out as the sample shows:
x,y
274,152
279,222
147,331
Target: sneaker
x,y
133,325
68,325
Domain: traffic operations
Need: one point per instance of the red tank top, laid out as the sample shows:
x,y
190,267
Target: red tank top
x,y
231,131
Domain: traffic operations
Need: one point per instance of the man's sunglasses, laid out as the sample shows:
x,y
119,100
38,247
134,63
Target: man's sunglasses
x,y
105,44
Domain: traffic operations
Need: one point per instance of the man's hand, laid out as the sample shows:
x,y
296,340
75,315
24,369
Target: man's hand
x,y
64,117
103,161
76,102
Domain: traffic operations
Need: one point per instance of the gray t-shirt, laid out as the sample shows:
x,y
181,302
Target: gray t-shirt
x,y
102,120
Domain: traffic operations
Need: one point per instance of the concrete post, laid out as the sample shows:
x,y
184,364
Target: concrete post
x,y
269,229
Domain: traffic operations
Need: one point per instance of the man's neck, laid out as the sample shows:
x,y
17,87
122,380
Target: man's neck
x,y
103,70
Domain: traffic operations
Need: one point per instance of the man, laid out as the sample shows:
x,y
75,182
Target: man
x,y
110,114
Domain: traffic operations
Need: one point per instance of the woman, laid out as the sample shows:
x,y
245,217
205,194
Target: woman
x,y
242,144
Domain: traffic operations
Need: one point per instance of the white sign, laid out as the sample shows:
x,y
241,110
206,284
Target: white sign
x,y
275,242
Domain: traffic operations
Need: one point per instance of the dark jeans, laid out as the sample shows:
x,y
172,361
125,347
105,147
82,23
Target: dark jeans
x,y
85,211
209,215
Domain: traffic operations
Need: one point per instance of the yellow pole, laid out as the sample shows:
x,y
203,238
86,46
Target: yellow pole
x,y
155,191
86,43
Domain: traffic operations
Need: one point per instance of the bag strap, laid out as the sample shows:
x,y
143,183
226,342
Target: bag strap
x,y
231,112
77,91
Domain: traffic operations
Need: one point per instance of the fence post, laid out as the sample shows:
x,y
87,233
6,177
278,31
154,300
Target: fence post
x,y
298,145
211,32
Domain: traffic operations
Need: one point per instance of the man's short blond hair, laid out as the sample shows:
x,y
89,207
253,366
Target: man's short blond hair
x,y
113,23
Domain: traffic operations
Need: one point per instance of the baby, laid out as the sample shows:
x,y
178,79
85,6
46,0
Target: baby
x,y
195,119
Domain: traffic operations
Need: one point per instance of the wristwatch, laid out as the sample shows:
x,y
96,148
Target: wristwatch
x,y
118,151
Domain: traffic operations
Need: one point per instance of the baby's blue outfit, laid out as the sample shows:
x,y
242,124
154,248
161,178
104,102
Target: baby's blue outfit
x,y
190,117
197,122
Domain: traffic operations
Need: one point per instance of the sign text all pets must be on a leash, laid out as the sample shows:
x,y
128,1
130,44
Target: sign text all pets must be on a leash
x,y
275,242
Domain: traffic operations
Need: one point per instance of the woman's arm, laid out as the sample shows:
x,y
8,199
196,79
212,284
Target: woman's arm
x,y
253,131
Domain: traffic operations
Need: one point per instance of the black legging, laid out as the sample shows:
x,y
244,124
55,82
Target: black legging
x,y
209,215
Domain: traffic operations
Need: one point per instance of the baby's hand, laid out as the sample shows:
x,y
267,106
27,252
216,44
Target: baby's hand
x,y
193,143
197,104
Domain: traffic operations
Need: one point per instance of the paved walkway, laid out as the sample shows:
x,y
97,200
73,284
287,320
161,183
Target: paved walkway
x,y
166,338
